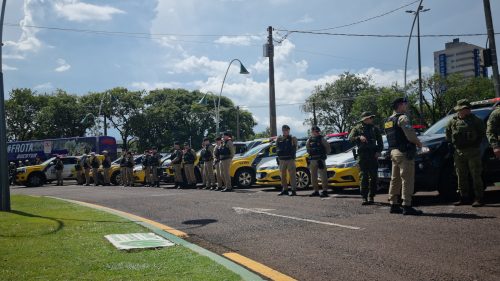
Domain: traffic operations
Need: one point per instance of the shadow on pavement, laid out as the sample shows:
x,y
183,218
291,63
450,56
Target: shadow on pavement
x,y
198,223
457,216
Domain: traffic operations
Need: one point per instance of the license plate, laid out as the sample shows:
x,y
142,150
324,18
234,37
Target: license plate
x,y
384,175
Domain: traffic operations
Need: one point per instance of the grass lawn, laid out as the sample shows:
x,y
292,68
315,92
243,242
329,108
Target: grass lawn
x,y
47,239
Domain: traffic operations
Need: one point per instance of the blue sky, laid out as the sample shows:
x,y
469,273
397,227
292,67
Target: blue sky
x,y
199,38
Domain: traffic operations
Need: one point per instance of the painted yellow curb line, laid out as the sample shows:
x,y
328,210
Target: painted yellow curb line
x,y
163,227
258,267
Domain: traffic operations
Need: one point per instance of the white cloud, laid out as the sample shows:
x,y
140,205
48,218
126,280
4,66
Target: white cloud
x,y
44,86
7,67
75,10
13,56
28,40
389,77
153,86
63,66
305,19
193,64
242,40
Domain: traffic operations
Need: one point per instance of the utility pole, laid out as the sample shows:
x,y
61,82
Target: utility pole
x,y
105,125
238,122
315,121
272,95
4,171
420,95
491,38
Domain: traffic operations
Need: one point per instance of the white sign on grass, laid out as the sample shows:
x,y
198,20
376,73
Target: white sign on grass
x,y
138,241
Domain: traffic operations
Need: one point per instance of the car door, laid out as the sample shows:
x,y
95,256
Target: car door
x,y
69,165
50,171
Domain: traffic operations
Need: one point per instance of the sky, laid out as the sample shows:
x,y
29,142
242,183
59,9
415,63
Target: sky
x,y
189,44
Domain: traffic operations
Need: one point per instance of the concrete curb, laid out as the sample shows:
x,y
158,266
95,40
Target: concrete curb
x,y
244,273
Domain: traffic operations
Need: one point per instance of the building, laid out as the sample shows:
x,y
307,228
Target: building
x,y
460,57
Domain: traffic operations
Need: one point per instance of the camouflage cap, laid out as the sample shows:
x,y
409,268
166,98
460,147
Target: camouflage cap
x,y
461,104
365,115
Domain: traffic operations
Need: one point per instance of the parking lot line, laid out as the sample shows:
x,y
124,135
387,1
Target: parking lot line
x,y
258,267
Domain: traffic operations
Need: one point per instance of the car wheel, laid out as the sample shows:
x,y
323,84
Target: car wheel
x,y
35,180
116,178
245,178
303,179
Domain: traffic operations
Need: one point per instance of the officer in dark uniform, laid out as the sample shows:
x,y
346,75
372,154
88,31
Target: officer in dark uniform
x,y
95,163
286,146
123,168
188,159
207,156
146,167
218,172
155,163
106,165
226,154
402,141
59,167
12,172
176,163
368,140
318,148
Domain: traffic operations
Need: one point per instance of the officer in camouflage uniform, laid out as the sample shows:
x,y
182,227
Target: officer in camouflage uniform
x,y
154,163
402,141
493,131
368,139
207,155
466,132
188,159
286,146
318,149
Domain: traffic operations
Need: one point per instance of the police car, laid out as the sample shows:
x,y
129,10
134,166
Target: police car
x,y
434,169
38,175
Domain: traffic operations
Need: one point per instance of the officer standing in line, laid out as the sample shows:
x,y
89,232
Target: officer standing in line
x,y
368,140
466,132
226,154
12,173
493,131
130,168
95,164
286,146
176,163
123,168
154,164
146,167
207,156
86,168
80,178
318,148
188,159
402,141
106,165
216,165
59,167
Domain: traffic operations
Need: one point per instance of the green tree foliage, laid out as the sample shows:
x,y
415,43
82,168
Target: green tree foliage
x,y
333,102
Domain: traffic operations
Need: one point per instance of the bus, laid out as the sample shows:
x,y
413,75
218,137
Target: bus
x,y
29,150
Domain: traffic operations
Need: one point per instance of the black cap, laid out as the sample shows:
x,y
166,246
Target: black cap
x,y
227,133
285,127
218,138
206,139
177,143
315,128
398,101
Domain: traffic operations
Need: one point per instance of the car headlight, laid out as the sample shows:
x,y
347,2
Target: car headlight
x,y
270,168
423,150
343,165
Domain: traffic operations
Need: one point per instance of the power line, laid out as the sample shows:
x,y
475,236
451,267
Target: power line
x,y
386,35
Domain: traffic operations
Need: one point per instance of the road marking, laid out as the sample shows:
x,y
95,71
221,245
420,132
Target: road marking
x,y
240,210
258,267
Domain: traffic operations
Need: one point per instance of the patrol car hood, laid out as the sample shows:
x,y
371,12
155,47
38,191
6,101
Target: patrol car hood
x,y
265,165
343,157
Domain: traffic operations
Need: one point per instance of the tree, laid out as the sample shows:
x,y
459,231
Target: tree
x,y
21,113
264,134
333,102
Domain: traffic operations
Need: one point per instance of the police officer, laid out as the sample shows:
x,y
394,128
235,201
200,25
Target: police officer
x,y
207,156
130,162
12,172
466,132
123,168
218,172
318,148
493,131
59,167
80,178
188,159
286,146
146,167
95,164
106,165
154,164
85,161
226,154
368,140
402,141
176,158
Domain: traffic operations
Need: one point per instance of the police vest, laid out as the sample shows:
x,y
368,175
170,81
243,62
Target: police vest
x,y
188,157
95,163
395,136
316,148
85,163
154,160
123,162
206,155
224,152
176,156
285,148
106,163
59,165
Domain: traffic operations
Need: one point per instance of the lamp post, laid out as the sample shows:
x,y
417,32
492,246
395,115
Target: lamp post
x,y
421,97
243,70
96,129
4,176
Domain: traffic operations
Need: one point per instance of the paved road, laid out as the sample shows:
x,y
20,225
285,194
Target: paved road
x,y
321,239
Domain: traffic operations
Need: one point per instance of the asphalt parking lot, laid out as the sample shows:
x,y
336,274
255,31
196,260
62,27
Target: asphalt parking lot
x,y
333,238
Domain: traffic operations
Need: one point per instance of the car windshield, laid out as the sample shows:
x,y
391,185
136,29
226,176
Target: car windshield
x,y
301,152
47,162
255,150
117,161
440,126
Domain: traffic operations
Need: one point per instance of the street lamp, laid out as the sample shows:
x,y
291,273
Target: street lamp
x,y
243,70
96,129
421,98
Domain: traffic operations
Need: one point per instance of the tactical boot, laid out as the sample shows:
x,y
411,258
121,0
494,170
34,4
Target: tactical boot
x,y
323,194
410,211
284,192
396,209
314,194
158,184
463,201
371,201
365,202
293,193
227,190
477,203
